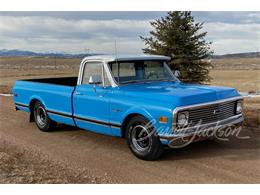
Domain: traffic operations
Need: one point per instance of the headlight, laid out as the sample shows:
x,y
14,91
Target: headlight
x,y
239,107
183,118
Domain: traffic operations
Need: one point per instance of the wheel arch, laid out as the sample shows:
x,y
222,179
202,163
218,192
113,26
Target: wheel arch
x,y
32,102
131,114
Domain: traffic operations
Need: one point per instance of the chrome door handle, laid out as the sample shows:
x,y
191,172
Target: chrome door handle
x,y
78,93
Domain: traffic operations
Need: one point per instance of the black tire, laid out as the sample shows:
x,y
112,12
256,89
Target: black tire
x,y
41,118
143,142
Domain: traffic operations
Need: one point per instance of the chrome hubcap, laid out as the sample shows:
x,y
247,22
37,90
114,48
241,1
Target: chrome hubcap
x,y
141,138
41,116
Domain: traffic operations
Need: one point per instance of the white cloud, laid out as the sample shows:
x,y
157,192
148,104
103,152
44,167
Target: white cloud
x,y
233,38
46,33
254,16
235,46
49,33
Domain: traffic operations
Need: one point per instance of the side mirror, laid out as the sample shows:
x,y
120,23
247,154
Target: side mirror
x,y
177,73
95,79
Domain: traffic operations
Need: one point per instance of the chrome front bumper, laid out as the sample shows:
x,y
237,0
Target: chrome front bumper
x,y
233,121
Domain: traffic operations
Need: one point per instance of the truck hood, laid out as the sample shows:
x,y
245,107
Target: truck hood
x,y
179,93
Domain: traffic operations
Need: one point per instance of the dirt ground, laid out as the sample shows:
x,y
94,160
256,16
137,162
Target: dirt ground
x,y
70,155
21,165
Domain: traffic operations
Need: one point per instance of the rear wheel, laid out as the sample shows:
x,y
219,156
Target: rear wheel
x,y
142,139
41,118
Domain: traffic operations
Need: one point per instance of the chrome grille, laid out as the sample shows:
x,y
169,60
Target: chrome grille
x,y
212,113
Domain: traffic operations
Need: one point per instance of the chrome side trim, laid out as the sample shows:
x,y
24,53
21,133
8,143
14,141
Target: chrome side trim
x,y
170,71
97,122
81,68
21,105
109,75
195,106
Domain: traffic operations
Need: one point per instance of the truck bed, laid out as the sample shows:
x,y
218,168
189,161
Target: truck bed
x,y
54,93
66,81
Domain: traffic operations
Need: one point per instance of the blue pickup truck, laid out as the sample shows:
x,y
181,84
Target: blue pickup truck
x,y
135,97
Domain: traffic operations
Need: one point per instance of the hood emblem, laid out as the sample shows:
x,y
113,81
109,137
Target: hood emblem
x,y
217,111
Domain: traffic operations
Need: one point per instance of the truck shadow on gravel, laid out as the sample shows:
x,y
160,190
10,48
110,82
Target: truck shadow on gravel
x,y
63,128
234,149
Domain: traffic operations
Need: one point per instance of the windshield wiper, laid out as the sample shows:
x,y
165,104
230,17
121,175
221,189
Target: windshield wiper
x,y
145,81
127,82
165,79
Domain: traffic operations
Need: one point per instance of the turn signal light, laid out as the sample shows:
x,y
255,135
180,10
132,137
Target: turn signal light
x,y
163,119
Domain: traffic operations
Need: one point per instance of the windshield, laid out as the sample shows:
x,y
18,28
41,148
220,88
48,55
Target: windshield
x,y
141,71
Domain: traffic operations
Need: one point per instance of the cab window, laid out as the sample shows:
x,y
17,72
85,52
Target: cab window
x,y
95,69
91,69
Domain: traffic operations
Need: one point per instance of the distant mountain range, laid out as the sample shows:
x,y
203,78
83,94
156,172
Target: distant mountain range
x,y
238,55
21,53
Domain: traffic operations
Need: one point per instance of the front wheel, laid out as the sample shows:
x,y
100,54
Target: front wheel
x,y
41,118
142,139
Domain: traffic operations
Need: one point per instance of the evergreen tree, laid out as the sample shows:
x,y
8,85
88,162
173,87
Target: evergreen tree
x,y
178,36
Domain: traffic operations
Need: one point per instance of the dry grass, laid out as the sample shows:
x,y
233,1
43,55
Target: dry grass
x,y
39,63
14,68
240,73
252,103
252,118
242,80
237,64
9,76
252,112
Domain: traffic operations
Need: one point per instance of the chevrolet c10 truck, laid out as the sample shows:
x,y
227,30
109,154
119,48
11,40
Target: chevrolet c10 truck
x,y
137,97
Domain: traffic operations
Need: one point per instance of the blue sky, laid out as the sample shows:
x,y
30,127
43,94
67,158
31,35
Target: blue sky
x,y
230,32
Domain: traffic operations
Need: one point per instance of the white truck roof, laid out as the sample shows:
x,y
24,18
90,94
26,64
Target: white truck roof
x,y
120,57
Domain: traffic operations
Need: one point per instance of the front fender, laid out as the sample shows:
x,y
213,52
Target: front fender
x,y
137,110
153,117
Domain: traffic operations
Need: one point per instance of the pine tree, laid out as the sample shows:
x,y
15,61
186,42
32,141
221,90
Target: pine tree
x,y
177,35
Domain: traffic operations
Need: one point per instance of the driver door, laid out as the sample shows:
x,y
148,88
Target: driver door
x,y
91,102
